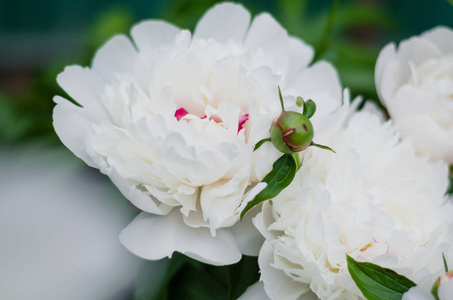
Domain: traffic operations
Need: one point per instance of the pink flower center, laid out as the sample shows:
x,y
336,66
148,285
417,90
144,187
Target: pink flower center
x,y
243,117
180,113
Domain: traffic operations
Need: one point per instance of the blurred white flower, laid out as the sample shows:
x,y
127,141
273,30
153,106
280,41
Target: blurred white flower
x,y
59,225
374,199
172,120
415,83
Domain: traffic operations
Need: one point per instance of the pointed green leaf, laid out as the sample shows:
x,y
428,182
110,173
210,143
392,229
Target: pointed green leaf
x,y
281,175
445,263
260,143
309,108
377,283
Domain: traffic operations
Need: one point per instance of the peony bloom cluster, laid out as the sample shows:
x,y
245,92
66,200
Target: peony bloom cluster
x,y
374,200
415,83
172,119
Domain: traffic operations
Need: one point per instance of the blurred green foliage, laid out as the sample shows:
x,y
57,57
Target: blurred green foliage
x,y
183,278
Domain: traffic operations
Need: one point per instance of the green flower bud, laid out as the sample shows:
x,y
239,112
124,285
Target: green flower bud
x,y
439,281
291,132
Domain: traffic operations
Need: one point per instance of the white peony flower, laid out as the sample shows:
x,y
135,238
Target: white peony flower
x,y
415,83
172,120
374,199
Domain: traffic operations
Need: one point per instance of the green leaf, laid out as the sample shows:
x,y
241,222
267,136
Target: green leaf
x,y
445,262
309,108
260,143
281,175
154,277
199,281
242,275
377,283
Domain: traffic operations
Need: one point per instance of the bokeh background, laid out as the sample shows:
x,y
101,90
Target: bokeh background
x,y
59,220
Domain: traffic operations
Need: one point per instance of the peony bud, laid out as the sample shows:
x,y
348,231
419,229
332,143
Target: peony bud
x,y
441,281
291,132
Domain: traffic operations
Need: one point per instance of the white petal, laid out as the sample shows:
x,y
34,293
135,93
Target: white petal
x,y
277,284
84,86
155,237
416,50
248,238
264,219
153,33
417,293
442,37
138,198
427,137
373,109
268,38
300,55
116,56
445,290
255,292
220,199
223,22
320,83
71,127
385,57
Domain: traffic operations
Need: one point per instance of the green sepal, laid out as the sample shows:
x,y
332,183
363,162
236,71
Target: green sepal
x,y
281,99
257,145
322,147
377,283
281,175
300,101
309,108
